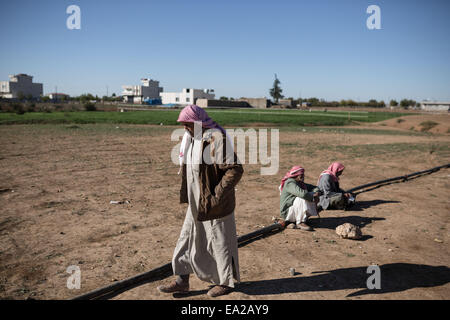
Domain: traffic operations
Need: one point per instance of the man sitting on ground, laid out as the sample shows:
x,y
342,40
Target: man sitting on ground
x,y
297,199
333,196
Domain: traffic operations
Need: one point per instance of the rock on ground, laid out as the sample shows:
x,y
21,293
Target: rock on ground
x,y
349,231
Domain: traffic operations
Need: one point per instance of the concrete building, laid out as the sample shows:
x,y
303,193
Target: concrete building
x,y
20,84
435,106
149,89
260,103
186,96
287,103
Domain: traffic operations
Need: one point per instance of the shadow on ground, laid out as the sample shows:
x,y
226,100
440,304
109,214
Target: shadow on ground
x,y
333,222
362,205
395,277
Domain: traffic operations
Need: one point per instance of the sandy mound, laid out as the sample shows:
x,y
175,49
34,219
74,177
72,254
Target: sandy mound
x,y
432,123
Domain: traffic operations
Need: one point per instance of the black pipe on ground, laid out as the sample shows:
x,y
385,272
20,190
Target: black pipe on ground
x,y
118,287
399,178
166,270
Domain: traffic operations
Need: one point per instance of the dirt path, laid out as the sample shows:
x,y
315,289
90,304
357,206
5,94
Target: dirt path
x,y
57,182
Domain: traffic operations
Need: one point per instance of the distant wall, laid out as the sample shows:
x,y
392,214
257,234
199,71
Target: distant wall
x,y
260,103
205,103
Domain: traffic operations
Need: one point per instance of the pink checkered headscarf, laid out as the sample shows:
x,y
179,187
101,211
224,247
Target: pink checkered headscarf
x,y
192,113
333,170
294,172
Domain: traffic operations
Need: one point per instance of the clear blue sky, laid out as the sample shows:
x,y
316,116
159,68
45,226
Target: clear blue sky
x,y
317,48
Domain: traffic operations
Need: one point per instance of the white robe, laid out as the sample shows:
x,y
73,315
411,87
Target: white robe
x,y
301,210
206,248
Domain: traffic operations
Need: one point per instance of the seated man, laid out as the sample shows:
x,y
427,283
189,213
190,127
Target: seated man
x,y
297,199
333,196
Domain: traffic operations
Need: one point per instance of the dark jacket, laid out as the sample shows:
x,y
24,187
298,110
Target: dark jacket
x,y
330,189
217,183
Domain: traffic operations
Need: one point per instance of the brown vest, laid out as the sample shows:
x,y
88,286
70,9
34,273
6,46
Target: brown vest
x,y
217,183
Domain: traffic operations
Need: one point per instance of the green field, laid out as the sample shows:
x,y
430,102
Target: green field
x,y
441,149
223,117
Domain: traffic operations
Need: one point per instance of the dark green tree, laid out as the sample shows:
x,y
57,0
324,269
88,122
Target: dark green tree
x,y
405,103
393,103
276,91
86,97
372,103
314,101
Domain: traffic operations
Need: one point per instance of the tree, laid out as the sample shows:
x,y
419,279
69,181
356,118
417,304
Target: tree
x,y
352,103
372,103
334,103
348,103
276,91
405,103
86,97
393,103
314,101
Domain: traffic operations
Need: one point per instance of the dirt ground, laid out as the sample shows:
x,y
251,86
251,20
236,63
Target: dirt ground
x,y
57,181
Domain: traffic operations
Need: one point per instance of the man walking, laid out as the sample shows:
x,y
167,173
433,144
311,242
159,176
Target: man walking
x,y
207,245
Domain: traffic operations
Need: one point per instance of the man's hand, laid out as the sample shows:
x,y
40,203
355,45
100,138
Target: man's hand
x,y
316,196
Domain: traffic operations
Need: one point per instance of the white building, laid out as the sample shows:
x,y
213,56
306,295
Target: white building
x,y
149,89
186,96
20,84
435,106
